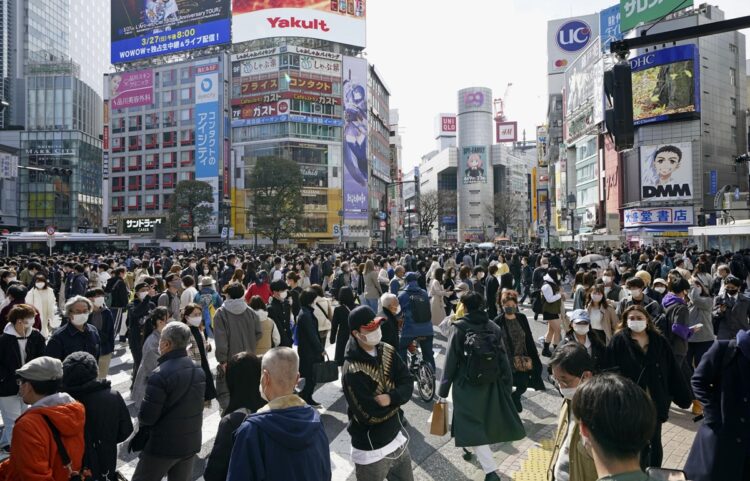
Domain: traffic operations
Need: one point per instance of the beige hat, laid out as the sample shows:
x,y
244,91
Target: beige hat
x,y
206,281
42,368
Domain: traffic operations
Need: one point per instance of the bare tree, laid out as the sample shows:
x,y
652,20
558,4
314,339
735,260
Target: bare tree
x,y
429,208
505,210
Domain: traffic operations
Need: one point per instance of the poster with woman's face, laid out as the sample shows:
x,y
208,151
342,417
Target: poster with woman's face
x,y
667,171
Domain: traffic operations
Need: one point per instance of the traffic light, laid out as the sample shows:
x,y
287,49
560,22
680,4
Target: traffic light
x,y
618,86
701,220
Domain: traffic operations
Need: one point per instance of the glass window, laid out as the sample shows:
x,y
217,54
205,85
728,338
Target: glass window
x,y
186,93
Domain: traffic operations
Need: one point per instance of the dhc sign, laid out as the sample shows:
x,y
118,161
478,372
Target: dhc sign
x,y
573,36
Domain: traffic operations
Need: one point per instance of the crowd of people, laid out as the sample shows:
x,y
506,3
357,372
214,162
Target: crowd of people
x,y
648,327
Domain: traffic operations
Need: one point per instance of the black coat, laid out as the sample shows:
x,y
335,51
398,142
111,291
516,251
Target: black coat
x,y
217,464
173,407
340,332
722,384
67,340
278,312
490,294
655,370
198,340
536,373
120,293
310,350
389,328
107,424
10,359
598,348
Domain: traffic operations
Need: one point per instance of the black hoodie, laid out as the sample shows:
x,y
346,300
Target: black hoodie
x,y
372,426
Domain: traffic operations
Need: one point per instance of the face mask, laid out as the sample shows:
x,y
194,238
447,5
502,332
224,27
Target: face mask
x,y
568,392
39,285
373,338
98,301
193,265
581,329
635,292
175,285
606,279
79,319
660,290
732,293
459,295
28,323
509,309
205,271
596,297
282,295
194,321
11,279
260,390
637,326
480,276
142,295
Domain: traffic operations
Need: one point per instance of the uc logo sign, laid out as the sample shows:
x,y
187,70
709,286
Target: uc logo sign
x,y
473,99
573,36
206,85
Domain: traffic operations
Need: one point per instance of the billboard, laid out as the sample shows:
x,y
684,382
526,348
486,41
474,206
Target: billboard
x,y
141,225
474,164
208,142
355,138
474,100
566,39
131,89
319,66
670,216
667,172
541,145
666,85
142,29
584,95
341,21
506,132
635,12
258,66
609,26
447,125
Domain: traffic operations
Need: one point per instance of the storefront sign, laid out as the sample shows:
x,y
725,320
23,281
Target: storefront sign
x,y
142,225
663,216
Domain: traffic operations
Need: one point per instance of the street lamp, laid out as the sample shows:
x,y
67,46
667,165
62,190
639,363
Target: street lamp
x,y
572,210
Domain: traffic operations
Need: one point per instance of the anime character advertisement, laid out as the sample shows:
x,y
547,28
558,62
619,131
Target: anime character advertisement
x,y
474,164
667,171
355,138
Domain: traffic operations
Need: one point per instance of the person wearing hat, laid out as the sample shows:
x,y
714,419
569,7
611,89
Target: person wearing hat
x,y
209,300
579,332
379,447
415,306
35,454
731,310
280,311
107,418
138,313
657,290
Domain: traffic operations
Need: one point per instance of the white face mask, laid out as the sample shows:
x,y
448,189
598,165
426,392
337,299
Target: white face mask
x,y
39,285
79,319
581,329
596,297
11,279
193,265
606,279
568,392
660,290
637,326
98,301
635,292
372,338
282,295
142,295
194,321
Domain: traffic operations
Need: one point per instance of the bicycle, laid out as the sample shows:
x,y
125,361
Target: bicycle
x,y
421,371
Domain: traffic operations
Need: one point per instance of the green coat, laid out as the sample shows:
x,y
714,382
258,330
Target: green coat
x,y
482,414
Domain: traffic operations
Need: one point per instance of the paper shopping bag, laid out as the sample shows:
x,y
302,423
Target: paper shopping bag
x,y
439,424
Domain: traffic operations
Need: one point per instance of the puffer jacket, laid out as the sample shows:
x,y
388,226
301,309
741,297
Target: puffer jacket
x,y
35,456
410,328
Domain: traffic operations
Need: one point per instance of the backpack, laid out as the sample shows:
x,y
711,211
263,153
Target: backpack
x,y
420,308
482,352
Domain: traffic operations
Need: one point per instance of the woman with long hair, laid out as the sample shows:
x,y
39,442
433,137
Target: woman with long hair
x,y
42,297
438,294
340,332
449,284
372,285
602,315
552,307
192,316
150,353
310,349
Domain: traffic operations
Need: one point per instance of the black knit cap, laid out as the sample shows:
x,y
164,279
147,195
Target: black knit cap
x,y
79,368
363,318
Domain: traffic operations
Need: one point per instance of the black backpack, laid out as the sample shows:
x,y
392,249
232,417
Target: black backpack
x,y
482,352
420,308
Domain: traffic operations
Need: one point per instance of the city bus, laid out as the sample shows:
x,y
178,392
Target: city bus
x,y
17,243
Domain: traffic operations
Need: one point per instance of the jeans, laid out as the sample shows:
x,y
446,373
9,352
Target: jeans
x,y
153,468
373,303
425,345
484,456
10,408
397,469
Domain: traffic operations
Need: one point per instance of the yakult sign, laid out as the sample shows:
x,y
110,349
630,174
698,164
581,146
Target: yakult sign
x,y
567,38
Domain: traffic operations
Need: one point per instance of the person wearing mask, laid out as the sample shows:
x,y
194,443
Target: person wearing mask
x,y
519,344
343,278
76,334
16,294
612,291
35,454
210,301
383,278
42,297
190,271
657,291
103,320
492,287
323,312
478,281
717,285
398,283
188,292
311,350
280,311
270,337
228,271
340,331
237,329
580,333
293,282
372,285
379,448
138,313
527,272
637,297
639,352
699,309
571,366
730,310
19,344
259,288
438,294
153,329
600,405
172,410
243,382
289,429
552,308
107,418
721,445
119,292
199,347
170,297
483,410
677,324
28,273
391,314
415,306
77,283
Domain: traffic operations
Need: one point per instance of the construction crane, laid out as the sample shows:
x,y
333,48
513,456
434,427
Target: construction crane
x,y
499,104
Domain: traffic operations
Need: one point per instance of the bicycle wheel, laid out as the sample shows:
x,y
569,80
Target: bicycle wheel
x,y
426,382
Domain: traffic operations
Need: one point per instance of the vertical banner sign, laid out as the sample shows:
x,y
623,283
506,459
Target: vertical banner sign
x,y
355,138
609,26
534,210
636,12
207,141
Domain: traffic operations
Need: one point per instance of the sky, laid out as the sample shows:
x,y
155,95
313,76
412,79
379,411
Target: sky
x,y
427,50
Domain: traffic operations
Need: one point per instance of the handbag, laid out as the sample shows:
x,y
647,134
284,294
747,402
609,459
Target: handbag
x,y
439,419
84,474
326,371
522,363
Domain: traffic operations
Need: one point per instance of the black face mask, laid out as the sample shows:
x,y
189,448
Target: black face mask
x,y
732,292
509,309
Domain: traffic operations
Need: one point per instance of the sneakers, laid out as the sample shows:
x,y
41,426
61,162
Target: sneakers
x,y
493,476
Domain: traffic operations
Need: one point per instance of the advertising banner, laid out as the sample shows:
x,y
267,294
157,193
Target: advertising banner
x,y
275,97
341,21
141,225
474,164
666,85
541,146
635,12
666,216
142,29
534,200
319,66
506,132
251,87
542,199
566,39
447,124
131,89
310,85
254,111
584,95
474,100
207,142
355,138
259,66
609,26
667,172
